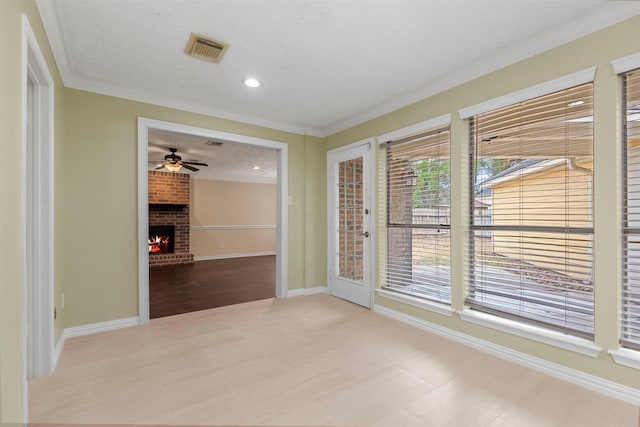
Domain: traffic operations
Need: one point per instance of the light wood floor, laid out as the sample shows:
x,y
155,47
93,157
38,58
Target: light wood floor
x,y
303,361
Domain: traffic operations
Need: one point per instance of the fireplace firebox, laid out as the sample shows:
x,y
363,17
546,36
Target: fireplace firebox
x,y
161,239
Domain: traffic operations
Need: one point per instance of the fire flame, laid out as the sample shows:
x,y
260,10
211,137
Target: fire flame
x,y
158,244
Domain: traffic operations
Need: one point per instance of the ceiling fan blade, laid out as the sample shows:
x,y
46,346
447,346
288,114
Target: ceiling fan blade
x,y
160,167
191,168
194,163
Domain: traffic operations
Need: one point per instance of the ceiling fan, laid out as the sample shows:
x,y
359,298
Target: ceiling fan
x,y
174,163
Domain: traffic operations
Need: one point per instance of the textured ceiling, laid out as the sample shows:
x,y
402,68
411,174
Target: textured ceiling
x,y
230,161
324,64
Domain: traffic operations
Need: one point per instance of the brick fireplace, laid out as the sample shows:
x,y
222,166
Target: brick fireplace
x,y
169,206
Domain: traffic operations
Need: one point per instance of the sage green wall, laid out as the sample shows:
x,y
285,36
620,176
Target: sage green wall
x,y
597,49
96,185
11,261
315,214
100,263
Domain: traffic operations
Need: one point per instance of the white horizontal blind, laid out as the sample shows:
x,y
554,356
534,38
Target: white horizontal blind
x,y
631,220
531,231
418,215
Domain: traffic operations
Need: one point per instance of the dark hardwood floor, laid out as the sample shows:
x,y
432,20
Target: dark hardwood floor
x,y
208,284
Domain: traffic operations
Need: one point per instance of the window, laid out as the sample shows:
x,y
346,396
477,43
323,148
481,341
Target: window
x,y
531,230
631,213
418,215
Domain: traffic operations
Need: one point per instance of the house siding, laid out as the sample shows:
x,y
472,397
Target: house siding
x,y
543,200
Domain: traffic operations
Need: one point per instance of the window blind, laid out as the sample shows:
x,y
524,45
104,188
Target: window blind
x,y
418,215
630,317
531,232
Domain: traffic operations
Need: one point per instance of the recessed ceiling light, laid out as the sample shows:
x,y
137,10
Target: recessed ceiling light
x,y
251,82
256,168
575,103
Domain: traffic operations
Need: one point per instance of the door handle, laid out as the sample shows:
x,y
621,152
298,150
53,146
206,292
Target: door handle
x,y
365,234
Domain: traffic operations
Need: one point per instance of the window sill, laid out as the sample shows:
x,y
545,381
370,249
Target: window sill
x,y
443,309
626,357
556,339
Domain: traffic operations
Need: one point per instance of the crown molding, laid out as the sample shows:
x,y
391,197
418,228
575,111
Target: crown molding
x,y
185,105
482,66
53,20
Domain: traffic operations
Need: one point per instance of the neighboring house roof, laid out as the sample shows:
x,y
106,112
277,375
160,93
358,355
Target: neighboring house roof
x,y
525,167
484,192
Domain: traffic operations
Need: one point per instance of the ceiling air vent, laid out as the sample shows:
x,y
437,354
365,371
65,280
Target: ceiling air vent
x,y
205,49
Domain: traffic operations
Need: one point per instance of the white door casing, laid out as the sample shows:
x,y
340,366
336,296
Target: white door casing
x,y
37,183
37,221
349,222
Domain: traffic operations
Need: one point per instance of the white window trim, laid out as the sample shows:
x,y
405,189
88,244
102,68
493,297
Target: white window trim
x,y
556,339
442,120
626,63
551,86
422,303
626,357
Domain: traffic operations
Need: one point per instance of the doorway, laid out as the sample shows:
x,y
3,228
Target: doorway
x,y
212,223
145,126
349,194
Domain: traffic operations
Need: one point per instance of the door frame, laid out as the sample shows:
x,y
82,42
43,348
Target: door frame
x,y
37,216
144,124
369,189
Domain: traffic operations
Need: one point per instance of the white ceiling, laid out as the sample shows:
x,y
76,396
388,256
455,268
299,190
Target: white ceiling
x,y
231,161
324,65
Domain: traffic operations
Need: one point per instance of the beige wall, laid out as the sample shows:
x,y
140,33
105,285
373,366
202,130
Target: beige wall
x,y
236,205
11,263
597,49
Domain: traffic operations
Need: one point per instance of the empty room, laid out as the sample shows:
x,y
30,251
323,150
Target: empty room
x,y
303,213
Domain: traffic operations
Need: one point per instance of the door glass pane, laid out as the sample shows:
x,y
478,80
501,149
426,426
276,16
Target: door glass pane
x,y
350,219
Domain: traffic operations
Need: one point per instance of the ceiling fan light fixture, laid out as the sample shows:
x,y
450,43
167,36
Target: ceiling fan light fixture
x,y
173,167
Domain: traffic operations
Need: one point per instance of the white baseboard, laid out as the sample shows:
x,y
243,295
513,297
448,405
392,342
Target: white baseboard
x,y
94,328
307,291
227,256
57,351
609,388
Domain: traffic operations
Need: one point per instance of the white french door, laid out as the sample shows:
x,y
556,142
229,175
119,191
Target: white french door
x,y
350,239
